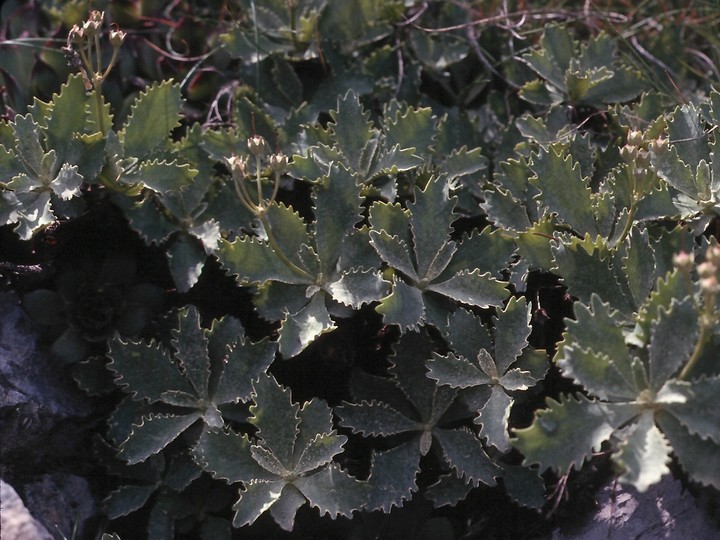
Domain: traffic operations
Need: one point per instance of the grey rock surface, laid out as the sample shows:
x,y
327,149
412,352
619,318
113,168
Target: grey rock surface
x,y
39,404
665,511
16,523
62,502
43,417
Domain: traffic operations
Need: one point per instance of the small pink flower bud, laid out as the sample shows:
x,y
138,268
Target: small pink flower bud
x,y
683,261
706,269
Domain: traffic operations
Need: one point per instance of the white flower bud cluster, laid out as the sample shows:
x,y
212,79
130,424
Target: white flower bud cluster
x,y
638,152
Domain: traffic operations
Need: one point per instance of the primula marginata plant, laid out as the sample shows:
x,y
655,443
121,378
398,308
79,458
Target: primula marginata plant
x,y
382,224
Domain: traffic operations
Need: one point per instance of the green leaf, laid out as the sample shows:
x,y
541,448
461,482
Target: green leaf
x,y
10,165
394,251
391,218
162,176
493,419
504,210
145,370
552,59
153,434
429,400
375,419
98,121
673,336
187,259
568,431
126,499
672,286
34,211
337,210
320,451
464,451
66,120
699,457
598,372
639,265
563,189
524,485
300,329
586,270
254,261
593,352
392,477
456,372
333,491
462,162
413,128
268,461
352,129
316,418
154,114
144,217
697,410
245,362
467,334
255,500
290,232
489,251
512,329
535,244
191,348
30,152
226,455
284,510
644,454
472,288
66,184
278,432
403,306
432,208
390,162
357,287
448,491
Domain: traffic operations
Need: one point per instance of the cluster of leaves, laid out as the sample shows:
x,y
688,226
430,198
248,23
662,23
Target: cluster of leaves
x,y
407,205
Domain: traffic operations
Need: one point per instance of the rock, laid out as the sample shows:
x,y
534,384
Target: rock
x,y
44,421
664,511
40,407
16,523
62,502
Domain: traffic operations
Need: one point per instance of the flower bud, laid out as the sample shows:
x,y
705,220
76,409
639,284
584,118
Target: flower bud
x,y
628,153
709,285
76,35
713,254
93,24
278,162
257,145
116,38
706,269
635,138
683,261
237,165
659,146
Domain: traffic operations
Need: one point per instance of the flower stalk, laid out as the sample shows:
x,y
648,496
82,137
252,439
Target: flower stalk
x,y
258,147
88,56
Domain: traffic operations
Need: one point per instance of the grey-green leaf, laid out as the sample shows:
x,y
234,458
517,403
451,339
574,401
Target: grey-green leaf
x,y
153,434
